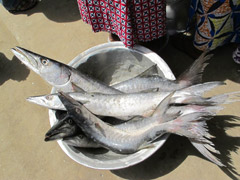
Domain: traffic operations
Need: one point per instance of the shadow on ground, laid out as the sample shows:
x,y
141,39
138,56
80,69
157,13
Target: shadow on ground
x,y
12,69
164,161
221,66
57,10
176,149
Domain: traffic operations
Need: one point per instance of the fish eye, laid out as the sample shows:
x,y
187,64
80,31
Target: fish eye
x,y
44,61
70,121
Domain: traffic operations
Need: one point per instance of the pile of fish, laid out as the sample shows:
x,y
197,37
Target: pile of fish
x,y
145,107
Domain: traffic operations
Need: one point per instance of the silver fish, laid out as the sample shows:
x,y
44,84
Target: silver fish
x,y
132,104
192,126
68,130
191,76
60,75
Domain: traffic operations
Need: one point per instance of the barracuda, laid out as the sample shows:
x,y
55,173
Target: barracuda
x,y
132,104
59,75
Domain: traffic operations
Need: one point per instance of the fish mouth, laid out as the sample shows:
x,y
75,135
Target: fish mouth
x,y
57,136
57,133
42,101
36,100
30,59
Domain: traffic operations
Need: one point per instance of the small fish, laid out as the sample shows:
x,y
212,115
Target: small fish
x,y
132,104
191,76
192,126
60,75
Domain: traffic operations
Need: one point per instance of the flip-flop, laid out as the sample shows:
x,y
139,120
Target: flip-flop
x,y
24,5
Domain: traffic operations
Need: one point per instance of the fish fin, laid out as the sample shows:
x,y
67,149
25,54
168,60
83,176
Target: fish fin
x,y
193,74
146,146
211,109
192,126
161,110
163,105
226,98
199,89
76,88
149,72
203,149
196,100
148,113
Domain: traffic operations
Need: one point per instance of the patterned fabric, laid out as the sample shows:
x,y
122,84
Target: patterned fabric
x,y
131,20
236,55
218,22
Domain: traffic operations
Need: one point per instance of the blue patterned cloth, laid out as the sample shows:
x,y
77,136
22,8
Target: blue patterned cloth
x,y
218,22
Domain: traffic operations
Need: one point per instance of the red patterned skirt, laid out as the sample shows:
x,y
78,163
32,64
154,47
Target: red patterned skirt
x,y
131,20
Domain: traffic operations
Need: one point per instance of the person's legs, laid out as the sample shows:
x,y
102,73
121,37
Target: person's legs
x,y
149,19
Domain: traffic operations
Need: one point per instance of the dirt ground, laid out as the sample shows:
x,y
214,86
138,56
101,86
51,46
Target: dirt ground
x,y
54,29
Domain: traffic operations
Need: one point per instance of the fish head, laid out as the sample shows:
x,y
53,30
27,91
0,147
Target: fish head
x,y
49,101
54,72
64,128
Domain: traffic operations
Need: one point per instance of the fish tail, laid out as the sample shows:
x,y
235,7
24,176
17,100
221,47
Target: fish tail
x,y
192,126
213,110
199,89
210,109
196,100
226,98
205,149
193,74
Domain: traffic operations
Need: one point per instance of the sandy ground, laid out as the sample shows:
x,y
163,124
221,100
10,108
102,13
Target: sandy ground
x,y
55,29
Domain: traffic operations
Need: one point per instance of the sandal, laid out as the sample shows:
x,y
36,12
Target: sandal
x,y
24,5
